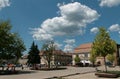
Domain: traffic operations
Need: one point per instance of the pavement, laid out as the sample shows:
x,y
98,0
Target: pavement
x,y
92,74
87,76
69,73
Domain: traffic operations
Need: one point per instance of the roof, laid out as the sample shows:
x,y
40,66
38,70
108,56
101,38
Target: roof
x,y
83,48
57,52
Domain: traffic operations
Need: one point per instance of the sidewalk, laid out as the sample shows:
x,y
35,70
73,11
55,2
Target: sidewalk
x,y
92,75
87,76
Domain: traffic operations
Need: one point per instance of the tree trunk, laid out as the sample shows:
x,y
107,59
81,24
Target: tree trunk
x,y
48,64
105,64
93,64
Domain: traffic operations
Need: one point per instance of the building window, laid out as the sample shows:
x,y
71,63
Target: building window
x,y
86,55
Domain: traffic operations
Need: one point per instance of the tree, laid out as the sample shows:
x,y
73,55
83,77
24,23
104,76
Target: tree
x,y
103,44
92,57
77,59
48,49
110,57
34,57
18,47
10,43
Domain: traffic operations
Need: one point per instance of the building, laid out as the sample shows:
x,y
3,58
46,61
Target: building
x,y
83,51
59,58
23,59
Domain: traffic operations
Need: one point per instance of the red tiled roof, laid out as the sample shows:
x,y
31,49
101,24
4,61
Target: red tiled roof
x,y
83,48
57,52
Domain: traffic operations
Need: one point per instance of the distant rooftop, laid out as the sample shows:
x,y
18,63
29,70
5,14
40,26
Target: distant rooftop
x,y
58,52
83,48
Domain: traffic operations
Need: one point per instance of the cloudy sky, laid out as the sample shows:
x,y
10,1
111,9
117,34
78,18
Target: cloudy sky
x,y
68,22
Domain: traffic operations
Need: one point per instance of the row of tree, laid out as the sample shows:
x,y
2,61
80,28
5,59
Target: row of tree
x,y
12,46
47,52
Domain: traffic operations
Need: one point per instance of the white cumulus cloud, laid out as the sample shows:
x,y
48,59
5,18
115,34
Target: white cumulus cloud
x,y
4,3
40,34
119,32
94,30
70,41
68,48
114,27
109,3
57,45
69,45
72,20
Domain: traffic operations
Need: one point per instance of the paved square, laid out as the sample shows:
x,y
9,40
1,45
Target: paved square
x,y
69,73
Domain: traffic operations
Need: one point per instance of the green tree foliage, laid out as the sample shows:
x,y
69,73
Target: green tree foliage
x,y
110,57
11,45
93,56
34,57
18,47
48,49
77,59
103,44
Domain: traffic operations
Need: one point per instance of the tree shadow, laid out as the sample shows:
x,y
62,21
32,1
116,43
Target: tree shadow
x,y
16,72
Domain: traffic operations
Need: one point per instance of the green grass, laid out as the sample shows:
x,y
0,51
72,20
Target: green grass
x,y
114,72
111,72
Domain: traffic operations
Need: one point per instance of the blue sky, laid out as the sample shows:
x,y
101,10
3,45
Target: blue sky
x,y
68,22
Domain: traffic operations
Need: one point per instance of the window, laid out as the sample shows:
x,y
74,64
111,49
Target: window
x,y
86,55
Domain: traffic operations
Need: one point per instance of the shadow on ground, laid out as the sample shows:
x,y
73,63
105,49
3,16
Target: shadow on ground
x,y
62,77
16,72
